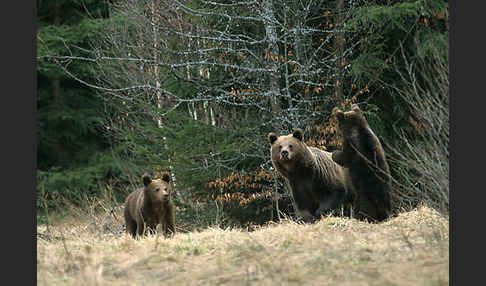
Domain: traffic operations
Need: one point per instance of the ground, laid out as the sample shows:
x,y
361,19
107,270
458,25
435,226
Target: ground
x,y
410,249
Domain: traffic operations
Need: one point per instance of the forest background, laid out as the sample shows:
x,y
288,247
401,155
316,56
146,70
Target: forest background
x,y
194,87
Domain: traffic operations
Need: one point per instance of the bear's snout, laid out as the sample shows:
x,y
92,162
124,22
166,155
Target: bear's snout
x,y
284,154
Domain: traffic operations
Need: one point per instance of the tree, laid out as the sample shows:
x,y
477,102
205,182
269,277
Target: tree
x,y
403,63
246,68
70,139
197,85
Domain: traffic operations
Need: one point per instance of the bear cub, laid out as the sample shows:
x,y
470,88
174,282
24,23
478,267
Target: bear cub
x,y
364,156
318,185
149,206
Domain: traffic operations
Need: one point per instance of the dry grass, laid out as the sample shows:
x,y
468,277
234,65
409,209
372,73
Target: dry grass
x,y
410,249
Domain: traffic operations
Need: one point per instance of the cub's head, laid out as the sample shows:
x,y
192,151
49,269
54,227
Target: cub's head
x,y
159,190
350,122
286,150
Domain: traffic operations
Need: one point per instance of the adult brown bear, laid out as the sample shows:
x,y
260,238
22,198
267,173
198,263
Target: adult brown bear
x,y
149,206
363,155
317,183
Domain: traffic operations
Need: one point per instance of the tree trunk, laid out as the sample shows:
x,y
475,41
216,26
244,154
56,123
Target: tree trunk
x,y
56,80
158,93
339,48
273,52
56,85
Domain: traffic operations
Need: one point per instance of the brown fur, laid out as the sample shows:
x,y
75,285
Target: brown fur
x,y
149,206
317,183
365,158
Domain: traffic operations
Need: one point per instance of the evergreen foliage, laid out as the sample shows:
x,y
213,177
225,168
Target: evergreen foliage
x,y
72,152
193,87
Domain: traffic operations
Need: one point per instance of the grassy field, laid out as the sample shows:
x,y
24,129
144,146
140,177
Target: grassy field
x,y
410,249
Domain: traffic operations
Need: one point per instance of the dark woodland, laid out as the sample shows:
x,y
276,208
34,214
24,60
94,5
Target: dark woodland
x,y
193,88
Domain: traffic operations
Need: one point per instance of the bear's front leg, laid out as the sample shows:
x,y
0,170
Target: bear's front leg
x,y
140,229
338,157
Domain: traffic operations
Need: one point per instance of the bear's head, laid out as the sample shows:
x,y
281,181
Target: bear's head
x,y
158,191
350,122
287,150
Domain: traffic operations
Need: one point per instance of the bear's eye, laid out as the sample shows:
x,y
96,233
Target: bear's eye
x,y
290,146
280,147
157,189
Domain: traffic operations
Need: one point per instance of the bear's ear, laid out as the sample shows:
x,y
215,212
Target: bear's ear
x,y
355,108
166,177
339,115
272,137
146,179
299,134
335,110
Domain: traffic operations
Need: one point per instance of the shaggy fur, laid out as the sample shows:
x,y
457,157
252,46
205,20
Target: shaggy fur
x,y
363,155
318,185
149,206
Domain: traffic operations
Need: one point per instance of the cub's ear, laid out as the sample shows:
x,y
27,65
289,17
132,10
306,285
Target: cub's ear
x,y
335,110
146,179
299,134
166,177
355,108
272,137
339,115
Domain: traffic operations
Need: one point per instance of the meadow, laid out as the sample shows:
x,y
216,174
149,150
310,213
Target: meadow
x,y
411,248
